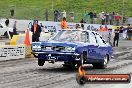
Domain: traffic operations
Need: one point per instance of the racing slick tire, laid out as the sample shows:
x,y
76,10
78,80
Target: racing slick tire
x,y
41,62
81,61
103,64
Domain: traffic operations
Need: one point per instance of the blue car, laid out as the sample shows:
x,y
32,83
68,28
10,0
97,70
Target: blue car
x,y
74,48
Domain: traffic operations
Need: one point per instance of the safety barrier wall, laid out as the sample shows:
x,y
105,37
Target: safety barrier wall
x,y
8,52
24,24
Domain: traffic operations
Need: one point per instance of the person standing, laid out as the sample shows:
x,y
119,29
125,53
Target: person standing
x,y
64,23
91,14
14,28
111,18
82,21
36,30
85,16
56,15
116,37
64,14
94,18
129,32
42,27
12,12
107,18
117,19
7,22
102,17
46,15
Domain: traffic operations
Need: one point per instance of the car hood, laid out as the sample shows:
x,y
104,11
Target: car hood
x,y
58,43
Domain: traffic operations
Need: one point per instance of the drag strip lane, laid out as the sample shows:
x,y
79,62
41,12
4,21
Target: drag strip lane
x,y
26,73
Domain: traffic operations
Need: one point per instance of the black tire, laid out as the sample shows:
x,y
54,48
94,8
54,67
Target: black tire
x,y
102,65
81,61
41,62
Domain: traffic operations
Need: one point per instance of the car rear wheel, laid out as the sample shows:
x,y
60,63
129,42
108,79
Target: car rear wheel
x,y
41,62
103,64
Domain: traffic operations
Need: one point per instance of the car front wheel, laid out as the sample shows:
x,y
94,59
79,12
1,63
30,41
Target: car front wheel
x,y
41,62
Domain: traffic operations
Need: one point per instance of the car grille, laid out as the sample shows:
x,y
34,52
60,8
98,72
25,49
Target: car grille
x,y
52,48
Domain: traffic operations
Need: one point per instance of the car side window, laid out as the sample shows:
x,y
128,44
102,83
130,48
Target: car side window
x,y
92,38
100,41
84,37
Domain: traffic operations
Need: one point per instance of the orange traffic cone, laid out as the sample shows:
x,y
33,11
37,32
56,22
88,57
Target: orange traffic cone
x,y
27,38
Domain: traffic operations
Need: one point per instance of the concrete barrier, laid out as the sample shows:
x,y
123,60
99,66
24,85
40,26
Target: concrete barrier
x,y
8,52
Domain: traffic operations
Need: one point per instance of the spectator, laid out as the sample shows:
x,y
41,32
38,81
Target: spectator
x,y
64,23
109,36
72,16
46,15
121,32
36,30
102,17
42,27
117,19
82,26
85,16
105,28
63,14
100,29
94,18
129,20
12,12
116,37
107,18
7,22
77,26
124,20
56,15
14,28
82,21
91,14
111,18
129,32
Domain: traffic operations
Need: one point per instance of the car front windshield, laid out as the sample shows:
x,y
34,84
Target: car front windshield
x,y
68,35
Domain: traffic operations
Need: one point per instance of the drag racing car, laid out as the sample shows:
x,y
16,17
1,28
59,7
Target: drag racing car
x,y
74,48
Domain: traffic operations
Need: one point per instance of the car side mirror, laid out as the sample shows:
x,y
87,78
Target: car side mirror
x,y
98,46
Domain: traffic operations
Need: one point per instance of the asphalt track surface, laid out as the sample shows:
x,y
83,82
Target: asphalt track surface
x,y
25,73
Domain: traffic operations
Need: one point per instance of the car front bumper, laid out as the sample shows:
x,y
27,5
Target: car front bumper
x,y
56,56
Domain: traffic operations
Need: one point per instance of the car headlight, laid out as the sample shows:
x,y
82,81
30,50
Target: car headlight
x,y
36,47
69,49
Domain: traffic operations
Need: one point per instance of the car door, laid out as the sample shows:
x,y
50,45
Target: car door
x,y
102,46
92,47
